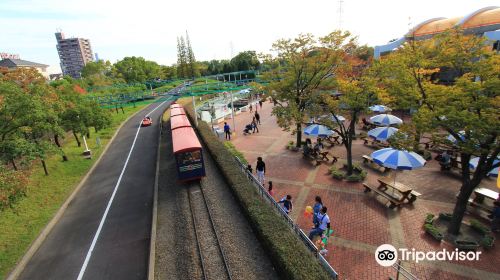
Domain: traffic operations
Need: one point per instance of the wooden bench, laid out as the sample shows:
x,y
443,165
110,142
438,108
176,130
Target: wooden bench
x,y
393,200
369,160
413,196
486,208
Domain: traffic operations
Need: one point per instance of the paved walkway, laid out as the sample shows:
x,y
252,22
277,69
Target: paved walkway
x,y
360,221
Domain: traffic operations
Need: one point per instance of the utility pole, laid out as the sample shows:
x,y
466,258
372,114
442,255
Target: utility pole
x,y
194,110
232,111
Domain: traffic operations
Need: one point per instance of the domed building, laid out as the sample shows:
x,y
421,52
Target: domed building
x,y
483,22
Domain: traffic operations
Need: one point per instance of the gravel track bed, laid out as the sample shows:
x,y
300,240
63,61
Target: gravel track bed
x,y
246,257
213,260
176,252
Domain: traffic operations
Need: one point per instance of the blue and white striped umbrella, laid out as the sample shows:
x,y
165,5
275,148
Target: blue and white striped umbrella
x,y
382,133
397,159
318,130
339,117
380,108
452,139
385,120
493,172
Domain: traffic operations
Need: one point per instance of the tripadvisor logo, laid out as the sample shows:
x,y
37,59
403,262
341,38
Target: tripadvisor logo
x,y
387,255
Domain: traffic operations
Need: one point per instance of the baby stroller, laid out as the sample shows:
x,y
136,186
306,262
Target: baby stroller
x,y
247,129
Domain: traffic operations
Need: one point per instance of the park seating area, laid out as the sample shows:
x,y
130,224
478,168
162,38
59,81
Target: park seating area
x,y
360,220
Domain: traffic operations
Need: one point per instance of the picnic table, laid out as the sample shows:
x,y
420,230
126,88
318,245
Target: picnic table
x,y
318,156
369,160
387,188
483,199
375,143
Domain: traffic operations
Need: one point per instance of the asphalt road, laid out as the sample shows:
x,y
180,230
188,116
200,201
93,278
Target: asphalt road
x,y
122,248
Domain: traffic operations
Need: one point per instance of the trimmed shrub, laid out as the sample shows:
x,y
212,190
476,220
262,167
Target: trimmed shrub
x,y
429,218
336,173
289,255
232,149
478,226
488,241
434,232
445,216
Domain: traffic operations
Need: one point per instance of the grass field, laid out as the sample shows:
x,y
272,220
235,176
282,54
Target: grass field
x,y
21,224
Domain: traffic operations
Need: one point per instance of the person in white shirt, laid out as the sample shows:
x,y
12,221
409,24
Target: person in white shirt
x,y
323,223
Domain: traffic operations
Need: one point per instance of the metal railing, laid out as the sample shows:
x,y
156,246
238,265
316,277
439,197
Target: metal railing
x,y
401,271
295,228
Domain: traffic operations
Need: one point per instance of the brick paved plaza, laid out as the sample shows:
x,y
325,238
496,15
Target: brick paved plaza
x,y
361,221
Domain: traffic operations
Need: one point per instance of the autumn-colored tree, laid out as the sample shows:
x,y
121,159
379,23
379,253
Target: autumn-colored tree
x,y
306,65
453,84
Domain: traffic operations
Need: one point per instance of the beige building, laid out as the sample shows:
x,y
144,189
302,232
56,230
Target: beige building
x,y
12,64
74,53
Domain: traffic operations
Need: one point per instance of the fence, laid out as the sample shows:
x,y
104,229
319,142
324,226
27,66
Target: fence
x,y
296,229
401,271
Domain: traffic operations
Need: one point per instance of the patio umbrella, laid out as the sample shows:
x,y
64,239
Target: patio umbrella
x,y
318,130
452,139
380,108
385,120
382,133
339,117
493,172
398,159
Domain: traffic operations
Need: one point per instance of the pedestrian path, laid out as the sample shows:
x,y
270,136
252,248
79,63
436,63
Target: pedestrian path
x,y
362,223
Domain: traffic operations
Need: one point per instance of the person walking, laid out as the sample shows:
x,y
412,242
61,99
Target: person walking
x,y
287,203
251,108
324,224
257,117
316,209
270,189
227,131
260,103
254,126
261,170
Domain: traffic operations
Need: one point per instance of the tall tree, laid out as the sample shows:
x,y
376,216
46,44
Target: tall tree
x,y
465,106
191,60
306,65
182,67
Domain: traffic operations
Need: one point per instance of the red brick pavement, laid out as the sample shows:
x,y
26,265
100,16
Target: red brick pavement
x,y
359,220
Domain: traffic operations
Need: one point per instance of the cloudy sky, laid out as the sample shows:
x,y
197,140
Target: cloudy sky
x,y
149,28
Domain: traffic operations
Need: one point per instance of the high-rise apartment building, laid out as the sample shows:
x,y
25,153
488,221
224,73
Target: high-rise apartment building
x,y
74,53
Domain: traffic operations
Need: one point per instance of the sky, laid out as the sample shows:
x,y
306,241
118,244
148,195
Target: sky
x,y
217,29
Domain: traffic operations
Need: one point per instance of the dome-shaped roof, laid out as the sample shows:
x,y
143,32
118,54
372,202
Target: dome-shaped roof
x,y
437,26
486,19
483,17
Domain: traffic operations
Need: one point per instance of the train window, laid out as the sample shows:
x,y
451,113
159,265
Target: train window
x,y
189,157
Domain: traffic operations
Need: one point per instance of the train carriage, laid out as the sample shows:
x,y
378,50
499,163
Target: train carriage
x,y
188,152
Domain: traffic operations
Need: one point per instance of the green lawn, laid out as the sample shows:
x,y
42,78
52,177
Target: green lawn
x,y
45,195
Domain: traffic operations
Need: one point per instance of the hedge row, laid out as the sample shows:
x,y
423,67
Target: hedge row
x,y
289,255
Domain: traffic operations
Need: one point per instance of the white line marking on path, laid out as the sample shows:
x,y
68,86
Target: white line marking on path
x,y
103,219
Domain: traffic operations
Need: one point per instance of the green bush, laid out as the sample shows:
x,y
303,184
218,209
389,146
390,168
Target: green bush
x,y
475,224
232,149
445,216
429,218
356,177
289,255
488,241
336,173
432,230
13,186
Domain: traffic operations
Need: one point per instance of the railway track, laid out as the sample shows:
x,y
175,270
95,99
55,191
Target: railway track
x,y
213,261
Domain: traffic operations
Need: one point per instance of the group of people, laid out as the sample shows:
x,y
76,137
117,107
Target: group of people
x,y
321,220
309,148
260,168
253,126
